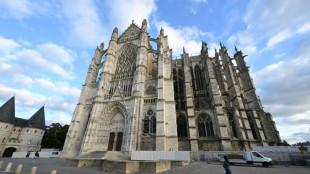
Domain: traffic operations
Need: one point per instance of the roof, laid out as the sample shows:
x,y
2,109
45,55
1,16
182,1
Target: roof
x,y
7,115
7,111
19,122
37,120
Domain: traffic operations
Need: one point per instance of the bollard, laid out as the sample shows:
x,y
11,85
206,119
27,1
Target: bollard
x,y
1,162
33,170
19,169
8,167
53,172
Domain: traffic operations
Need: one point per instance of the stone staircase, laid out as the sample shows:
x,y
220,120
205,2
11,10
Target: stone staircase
x,y
117,156
108,155
95,155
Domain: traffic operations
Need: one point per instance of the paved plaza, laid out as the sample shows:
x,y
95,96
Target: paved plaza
x,y
46,165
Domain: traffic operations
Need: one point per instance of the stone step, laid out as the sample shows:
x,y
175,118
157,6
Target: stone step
x,y
96,154
117,155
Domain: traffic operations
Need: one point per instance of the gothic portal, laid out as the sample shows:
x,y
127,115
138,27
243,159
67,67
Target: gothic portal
x,y
139,98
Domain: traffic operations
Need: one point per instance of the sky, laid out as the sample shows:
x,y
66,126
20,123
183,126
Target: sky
x,y
46,47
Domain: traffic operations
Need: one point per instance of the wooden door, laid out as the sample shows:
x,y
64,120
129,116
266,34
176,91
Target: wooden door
x,y
119,141
111,141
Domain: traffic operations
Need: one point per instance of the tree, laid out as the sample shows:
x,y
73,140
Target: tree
x,y
285,143
55,136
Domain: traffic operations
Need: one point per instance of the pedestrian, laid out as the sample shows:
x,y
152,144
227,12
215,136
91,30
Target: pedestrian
x,y
35,158
226,166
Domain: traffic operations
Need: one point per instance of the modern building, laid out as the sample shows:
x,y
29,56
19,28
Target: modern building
x,y
18,134
139,98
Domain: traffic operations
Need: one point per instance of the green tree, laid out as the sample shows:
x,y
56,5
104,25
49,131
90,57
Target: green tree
x,y
54,136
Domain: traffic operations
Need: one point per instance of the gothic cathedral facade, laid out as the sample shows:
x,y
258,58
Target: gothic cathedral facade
x,y
139,98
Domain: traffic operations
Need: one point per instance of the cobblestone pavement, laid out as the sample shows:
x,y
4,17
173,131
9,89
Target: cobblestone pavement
x,y
46,165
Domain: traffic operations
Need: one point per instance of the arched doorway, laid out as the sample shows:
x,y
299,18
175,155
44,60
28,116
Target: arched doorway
x,y
116,133
8,152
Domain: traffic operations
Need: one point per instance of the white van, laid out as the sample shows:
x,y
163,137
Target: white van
x,y
252,157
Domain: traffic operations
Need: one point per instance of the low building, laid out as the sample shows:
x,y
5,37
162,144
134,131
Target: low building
x,y
18,134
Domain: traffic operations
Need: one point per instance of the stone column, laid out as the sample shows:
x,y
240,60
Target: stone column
x,y
216,102
166,131
138,89
98,101
244,130
80,116
190,102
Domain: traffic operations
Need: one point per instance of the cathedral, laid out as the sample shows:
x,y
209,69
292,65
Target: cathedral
x,y
137,98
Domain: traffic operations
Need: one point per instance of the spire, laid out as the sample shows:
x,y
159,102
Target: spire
x,y
37,120
101,46
114,34
236,49
162,31
7,111
221,44
144,25
204,47
184,52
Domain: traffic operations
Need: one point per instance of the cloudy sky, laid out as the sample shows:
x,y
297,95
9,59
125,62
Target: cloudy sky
x,y
47,45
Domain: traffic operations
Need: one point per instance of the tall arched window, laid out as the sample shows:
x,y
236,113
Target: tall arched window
x,y
232,123
205,126
182,126
175,83
125,67
149,122
180,81
251,121
199,79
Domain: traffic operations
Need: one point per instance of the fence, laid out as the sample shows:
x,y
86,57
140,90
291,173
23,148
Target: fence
x,y
283,158
161,155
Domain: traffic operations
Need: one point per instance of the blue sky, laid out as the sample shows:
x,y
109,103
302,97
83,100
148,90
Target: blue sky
x,y
46,47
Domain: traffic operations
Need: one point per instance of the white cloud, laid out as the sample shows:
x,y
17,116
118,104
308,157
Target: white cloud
x,y
85,27
179,37
278,38
199,1
294,132
20,9
7,45
277,56
211,49
23,80
284,91
122,12
24,97
64,98
275,21
195,5
15,8
59,87
33,60
271,17
24,42
56,54
303,29
58,117
249,49
46,58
